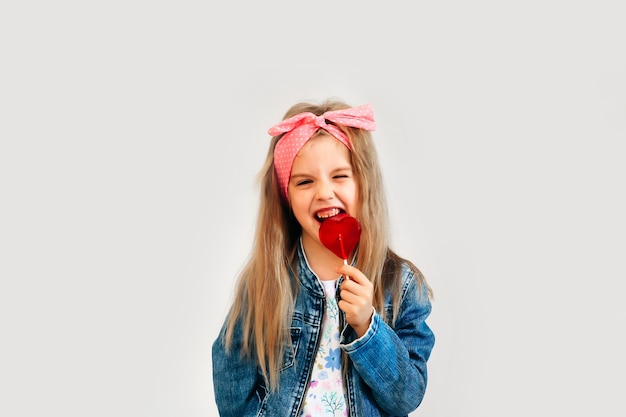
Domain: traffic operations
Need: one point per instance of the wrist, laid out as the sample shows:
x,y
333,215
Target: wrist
x,y
362,329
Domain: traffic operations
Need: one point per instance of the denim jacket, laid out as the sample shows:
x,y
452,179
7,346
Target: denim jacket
x,y
386,367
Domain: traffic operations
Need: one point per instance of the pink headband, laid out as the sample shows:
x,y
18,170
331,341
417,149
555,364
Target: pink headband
x,y
299,129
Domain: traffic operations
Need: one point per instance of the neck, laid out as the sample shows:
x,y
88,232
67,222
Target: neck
x,y
322,261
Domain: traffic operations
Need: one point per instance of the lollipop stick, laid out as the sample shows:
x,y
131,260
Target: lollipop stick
x,y
343,253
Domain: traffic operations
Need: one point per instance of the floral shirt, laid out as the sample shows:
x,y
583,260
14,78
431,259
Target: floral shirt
x,y
325,395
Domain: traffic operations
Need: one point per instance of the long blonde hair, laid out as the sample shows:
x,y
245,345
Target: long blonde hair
x,y
265,293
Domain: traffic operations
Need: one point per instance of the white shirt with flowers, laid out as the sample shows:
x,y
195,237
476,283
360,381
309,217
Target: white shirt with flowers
x,y
325,395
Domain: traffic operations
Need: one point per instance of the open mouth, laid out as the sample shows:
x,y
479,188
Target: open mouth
x,y
325,214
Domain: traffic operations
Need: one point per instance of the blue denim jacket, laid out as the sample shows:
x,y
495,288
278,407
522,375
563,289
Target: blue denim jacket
x,y
386,367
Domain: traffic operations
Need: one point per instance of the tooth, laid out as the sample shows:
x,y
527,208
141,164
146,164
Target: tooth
x,y
329,213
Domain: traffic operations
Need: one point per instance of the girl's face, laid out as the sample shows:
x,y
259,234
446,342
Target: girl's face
x,y
321,185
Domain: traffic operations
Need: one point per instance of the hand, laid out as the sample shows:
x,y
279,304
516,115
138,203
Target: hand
x,y
356,294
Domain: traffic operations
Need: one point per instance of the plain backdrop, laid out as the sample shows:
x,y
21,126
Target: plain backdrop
x,y
131,133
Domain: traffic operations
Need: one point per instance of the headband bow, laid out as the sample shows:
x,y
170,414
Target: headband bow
x,y
300,128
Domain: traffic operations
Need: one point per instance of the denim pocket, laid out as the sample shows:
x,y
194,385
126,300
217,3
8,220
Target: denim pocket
x,y
291,350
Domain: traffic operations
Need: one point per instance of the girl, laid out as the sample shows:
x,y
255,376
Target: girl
x,y
308,335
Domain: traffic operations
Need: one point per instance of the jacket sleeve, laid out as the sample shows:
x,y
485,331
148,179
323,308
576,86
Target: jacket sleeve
x,y
392,361
235,379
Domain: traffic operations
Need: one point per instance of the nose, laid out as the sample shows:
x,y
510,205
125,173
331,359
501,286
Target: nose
x,y
324,190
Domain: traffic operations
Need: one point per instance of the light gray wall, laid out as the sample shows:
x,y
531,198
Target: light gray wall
x,y
131,133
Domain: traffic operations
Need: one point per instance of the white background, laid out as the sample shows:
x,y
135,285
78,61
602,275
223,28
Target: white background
x,y
132,131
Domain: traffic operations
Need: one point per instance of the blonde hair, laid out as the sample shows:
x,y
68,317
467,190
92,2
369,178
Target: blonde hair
x,y
265,293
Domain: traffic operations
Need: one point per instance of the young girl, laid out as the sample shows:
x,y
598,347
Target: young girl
x,y
308,335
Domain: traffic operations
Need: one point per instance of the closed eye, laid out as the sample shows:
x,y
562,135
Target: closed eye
x,y
342,173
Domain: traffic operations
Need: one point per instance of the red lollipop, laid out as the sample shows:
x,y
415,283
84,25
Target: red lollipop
x,y
340,234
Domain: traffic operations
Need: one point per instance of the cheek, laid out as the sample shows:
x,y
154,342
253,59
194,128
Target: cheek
x,y
354,192
298,206
356,201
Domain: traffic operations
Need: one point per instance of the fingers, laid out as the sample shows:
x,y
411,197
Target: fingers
x,y
358,287
352,272
356,299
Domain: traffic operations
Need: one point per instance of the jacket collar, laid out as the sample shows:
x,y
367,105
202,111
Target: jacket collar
x,y
306,276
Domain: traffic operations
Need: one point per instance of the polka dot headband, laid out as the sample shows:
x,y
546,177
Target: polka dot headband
x,y
301,127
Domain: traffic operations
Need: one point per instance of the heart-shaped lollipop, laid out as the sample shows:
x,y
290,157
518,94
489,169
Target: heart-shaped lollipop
x,y
340,234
